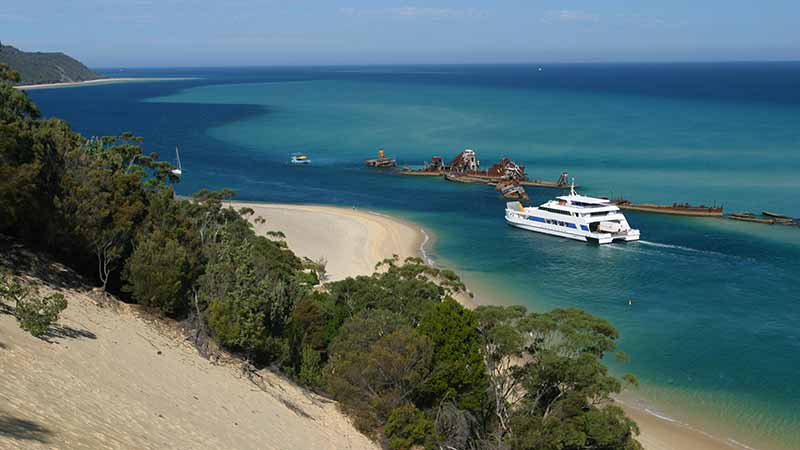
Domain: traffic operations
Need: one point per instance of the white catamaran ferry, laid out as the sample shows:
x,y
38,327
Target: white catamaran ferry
x,y
574,216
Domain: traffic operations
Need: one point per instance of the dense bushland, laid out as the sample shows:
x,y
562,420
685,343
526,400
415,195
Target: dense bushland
x,y
408,363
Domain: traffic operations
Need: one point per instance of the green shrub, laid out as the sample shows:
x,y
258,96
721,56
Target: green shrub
x,y
34,313
157,274
310,367
249,302
407,427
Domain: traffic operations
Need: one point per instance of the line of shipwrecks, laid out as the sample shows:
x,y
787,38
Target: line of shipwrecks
x,y
768,218
506,176
678,209
509,178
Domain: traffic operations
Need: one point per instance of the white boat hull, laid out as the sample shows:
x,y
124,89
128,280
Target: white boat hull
x,y
577,234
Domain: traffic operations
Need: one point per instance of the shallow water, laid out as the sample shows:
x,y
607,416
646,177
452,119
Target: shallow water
x,y
712,329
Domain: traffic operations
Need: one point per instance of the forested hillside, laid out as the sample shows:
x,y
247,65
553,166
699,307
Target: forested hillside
x,y
38,67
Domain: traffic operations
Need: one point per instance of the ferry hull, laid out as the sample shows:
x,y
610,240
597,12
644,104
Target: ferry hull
x,y
544,230
596,238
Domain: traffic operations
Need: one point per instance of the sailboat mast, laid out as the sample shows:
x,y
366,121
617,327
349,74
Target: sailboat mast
x,y
178,157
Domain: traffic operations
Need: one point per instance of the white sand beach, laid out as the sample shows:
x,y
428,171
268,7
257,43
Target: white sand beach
x,y
27,87
351,240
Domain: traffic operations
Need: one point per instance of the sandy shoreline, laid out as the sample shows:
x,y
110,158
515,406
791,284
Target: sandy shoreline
x,y
351,240
94,82
346,237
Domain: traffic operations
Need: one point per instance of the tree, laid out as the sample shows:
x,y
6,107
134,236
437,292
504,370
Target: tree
x,y
310,367
102,198
551,388
407,427
376,364
459,373
503,348
321,268
408,288
9,74
310,330
167,256
210,214
158,273
248,308
14,104
29,162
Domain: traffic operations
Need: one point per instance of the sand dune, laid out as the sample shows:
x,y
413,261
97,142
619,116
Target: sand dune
x,y
112,379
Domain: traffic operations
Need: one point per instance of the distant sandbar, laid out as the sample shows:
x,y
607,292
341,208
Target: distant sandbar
x,y
27,87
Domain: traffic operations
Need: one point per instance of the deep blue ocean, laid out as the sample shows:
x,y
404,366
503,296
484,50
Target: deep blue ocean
x,y
714,328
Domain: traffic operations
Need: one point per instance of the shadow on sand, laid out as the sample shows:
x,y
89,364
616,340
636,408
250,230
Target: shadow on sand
x,y
67,332
23,430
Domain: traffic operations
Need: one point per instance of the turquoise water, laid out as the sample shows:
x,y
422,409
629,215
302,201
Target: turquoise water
x,y
712,332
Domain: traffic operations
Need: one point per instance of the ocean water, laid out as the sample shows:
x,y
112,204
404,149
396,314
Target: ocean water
x,y
713,329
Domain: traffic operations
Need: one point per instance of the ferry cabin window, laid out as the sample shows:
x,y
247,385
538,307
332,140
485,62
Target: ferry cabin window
x,y
555,211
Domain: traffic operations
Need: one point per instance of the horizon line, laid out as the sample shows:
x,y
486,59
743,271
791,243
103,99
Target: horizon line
x,y
499,63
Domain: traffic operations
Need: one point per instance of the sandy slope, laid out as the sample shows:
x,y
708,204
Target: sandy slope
x,y
114,380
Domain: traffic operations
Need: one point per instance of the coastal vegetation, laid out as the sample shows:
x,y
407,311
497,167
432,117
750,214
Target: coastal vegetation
x,y
34,312
410,365
42,67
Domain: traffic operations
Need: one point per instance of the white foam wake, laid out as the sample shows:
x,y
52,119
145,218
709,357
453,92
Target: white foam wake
x,y
679,247
422,250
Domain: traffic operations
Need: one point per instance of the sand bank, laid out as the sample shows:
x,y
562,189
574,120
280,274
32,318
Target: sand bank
x,y
93,82
351,240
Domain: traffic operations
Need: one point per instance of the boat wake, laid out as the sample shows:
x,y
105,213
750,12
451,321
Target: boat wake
x,y
422,251
680,247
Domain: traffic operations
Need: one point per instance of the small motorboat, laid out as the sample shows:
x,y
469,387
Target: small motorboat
x,y
299,159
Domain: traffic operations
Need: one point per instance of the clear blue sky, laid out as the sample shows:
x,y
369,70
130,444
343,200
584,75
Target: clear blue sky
x,y
136,33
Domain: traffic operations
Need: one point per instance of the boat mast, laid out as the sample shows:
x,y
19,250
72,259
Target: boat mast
x,y
178,157
572,187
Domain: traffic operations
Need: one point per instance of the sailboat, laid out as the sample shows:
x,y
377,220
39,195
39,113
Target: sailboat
x,y
179,171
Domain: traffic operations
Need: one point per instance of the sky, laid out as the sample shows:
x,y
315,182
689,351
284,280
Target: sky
x,y
171,33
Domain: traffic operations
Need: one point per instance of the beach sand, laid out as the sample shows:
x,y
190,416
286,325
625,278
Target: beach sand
x,y
93,82
352,241
661,434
